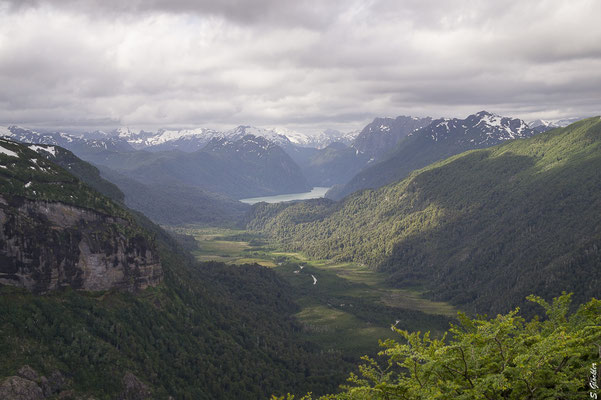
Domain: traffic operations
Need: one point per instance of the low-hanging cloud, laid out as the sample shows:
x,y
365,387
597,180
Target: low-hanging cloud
x,y
306,65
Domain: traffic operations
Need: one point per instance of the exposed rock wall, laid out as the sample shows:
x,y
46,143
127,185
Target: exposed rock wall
x,y
48,245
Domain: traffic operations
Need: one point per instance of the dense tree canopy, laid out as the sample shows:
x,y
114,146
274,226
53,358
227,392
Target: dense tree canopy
x,y
506,357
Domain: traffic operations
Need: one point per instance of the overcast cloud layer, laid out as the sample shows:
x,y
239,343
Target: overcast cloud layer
x,y
306,65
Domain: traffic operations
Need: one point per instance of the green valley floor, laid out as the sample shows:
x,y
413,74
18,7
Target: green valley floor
x,y
345,307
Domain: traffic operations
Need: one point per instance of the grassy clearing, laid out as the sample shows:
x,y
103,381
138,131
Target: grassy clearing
x,y
214,244
371,284
348,309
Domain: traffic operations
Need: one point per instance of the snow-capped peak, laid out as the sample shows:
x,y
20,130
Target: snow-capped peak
x,y
541,122
546,124
125,132
4,131
480,128
298,138
268,134
163,135
490,119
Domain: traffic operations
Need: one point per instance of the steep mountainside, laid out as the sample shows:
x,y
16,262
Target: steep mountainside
x,y
334,164
442,138
57,232
383,134
482,229
166,204
81,169
197,331
175,204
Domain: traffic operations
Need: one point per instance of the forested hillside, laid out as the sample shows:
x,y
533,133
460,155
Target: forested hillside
x,y
482,229
174,203
202,331
507,357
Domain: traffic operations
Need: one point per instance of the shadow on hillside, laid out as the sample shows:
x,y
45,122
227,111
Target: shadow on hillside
x,y
505,234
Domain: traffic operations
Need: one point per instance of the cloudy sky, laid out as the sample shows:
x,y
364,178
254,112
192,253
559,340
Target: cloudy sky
x,y
302,64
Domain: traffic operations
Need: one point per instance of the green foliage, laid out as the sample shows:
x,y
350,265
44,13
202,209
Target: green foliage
x,y
86,172
208,331
482,229
30,175
505,357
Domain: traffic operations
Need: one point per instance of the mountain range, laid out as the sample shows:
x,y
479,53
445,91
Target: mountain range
x,y
482,229
194,139
199,172
249,166
440,139
127,313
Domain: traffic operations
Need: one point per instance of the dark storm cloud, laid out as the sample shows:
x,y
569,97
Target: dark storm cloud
x,y
305,64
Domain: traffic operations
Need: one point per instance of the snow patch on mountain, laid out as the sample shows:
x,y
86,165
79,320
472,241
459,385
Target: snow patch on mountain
x,y
8,152
48,149
542,125
164,136
268,134
479,129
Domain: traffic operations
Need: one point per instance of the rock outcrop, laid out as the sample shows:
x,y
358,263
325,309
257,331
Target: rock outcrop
x,y
47,245
133,388
17,388
29,385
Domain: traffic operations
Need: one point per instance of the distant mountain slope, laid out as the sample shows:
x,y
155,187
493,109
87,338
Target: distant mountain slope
x,y
190,140
335,164
541,125
166,204
77,144
238,164
482,229
383,134
442,138
174,204
247,167
340,160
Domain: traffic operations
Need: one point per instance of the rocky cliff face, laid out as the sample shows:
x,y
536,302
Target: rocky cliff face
x,y
46,245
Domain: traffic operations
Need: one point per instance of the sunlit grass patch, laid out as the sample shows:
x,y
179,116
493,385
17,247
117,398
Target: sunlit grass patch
x,y
339,330
412,300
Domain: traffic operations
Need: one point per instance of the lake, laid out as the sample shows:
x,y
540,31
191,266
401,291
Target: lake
x,y
315,193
